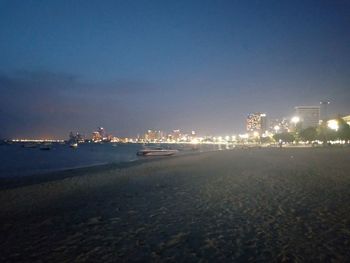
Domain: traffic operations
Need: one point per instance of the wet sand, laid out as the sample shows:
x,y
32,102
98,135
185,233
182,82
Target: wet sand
x,y
239,205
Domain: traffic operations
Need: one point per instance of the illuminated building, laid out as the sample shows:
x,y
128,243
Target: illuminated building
x,y
154,136
192,137
309,116
100,135
324,110
176,135
96,137
346,119
150,135
279,125
76,138
101,131
161,136
334,124
257,122
115,139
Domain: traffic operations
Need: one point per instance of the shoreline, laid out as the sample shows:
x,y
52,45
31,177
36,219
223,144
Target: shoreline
x,y
54,175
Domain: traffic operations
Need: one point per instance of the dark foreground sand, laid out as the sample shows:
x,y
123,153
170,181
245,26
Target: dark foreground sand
x,y
240,205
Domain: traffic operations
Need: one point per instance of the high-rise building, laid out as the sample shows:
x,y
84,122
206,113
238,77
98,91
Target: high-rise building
x,y
99,135
324,110
101,131
176,135
153,136
279,125
309,116
257,122
150,135
96,137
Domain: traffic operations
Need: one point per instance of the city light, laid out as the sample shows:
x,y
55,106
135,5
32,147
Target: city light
x,y
295,119
194,141
37,140
333,125
256,122
178,136
244,136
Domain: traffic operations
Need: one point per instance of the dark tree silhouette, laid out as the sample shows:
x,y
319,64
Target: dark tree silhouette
x,y
308,134
284,137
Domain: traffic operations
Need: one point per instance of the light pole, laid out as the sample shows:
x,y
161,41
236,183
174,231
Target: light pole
x,y
295,120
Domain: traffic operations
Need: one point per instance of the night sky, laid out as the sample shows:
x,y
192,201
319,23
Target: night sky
x,y
192,65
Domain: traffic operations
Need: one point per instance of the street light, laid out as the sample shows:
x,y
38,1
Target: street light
x,y
276,128
295,120
333,125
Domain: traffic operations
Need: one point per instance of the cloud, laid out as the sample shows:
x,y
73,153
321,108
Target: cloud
x,y
48,102
46,81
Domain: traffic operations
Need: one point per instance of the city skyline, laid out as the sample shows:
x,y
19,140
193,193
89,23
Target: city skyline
x,y
194,65
258,125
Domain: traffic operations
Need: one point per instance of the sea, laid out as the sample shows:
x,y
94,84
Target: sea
x,y
19,161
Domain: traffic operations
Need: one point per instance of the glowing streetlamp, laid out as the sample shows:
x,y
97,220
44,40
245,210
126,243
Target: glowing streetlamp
x,y
243,136
276,128
333,125
295,120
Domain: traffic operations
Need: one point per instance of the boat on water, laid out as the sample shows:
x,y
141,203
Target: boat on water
x,y
73,145
45,147
29,145
156,152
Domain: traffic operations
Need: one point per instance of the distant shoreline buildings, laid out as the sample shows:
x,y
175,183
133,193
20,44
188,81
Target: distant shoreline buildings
x,y
258,126
257,123
309,116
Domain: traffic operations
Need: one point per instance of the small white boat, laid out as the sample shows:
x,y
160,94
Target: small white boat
x,y
73,145
156,152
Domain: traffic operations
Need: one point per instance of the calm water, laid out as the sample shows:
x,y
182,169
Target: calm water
x,y
18,161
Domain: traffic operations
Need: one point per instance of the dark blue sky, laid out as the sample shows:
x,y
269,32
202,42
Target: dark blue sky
x,y
134,65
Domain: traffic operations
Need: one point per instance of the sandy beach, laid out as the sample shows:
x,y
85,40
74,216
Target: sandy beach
x,y
269,205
